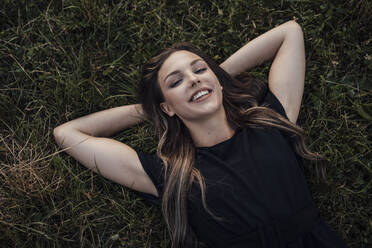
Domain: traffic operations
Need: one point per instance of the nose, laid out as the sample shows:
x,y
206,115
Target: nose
x,y
193,84
194,80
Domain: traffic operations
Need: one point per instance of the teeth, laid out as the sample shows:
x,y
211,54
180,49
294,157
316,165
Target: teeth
x,y
200,94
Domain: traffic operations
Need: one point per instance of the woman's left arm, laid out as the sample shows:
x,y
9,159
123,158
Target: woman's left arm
x,y
285,45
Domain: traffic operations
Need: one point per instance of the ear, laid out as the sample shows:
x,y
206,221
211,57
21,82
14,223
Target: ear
x,y
166,109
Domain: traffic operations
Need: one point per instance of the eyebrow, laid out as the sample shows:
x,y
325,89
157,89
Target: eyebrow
x,y
178,71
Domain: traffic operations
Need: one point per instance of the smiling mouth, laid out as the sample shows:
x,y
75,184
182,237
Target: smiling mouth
x,y
200,95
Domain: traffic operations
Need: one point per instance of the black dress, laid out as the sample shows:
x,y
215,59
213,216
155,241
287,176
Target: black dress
x,y
255,181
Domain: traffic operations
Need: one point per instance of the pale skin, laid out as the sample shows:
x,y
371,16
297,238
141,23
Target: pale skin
x,y
206,118
85,138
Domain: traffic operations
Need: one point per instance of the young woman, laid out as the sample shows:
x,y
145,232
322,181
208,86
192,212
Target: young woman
x,y
228,169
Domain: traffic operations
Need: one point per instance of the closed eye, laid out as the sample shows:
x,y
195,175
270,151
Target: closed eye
x,y
201,70
175,83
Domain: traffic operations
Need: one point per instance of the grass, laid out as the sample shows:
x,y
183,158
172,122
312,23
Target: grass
x,y
60,60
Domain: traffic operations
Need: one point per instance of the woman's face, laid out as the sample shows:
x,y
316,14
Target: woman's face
x,y
190,88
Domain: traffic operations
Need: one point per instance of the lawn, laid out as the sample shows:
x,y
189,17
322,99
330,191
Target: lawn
x,y
60,60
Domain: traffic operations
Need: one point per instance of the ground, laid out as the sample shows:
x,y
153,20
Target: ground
x,y
60,60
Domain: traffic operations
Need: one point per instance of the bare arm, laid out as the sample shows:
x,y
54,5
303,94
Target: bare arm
x,y
285,45
112,159
107,122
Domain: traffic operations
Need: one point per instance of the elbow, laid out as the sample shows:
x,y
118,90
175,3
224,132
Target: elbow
x,y
294,27
58,130
57,134
294,32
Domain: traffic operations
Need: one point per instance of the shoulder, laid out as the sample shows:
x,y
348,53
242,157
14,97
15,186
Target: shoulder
x,y
154,168
271,101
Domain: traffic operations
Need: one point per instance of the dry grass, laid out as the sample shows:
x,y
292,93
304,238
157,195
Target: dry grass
x,y
60,60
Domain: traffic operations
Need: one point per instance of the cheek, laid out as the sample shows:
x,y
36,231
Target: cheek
x,y
220,93
215,79
168,98
220,96
175,97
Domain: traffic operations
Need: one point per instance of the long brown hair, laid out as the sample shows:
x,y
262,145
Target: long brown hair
x,y
241,97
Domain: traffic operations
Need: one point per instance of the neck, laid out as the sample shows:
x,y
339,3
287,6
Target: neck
x,y
211,131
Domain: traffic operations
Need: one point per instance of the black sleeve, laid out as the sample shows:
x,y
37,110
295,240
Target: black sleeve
x,y
154,168
274,103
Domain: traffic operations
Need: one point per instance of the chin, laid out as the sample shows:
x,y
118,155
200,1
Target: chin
x,y
205,112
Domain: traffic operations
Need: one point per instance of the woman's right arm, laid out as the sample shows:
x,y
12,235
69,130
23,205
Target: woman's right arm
x,y
84,139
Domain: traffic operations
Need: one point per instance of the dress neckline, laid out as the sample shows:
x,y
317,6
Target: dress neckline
x,y
222,143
